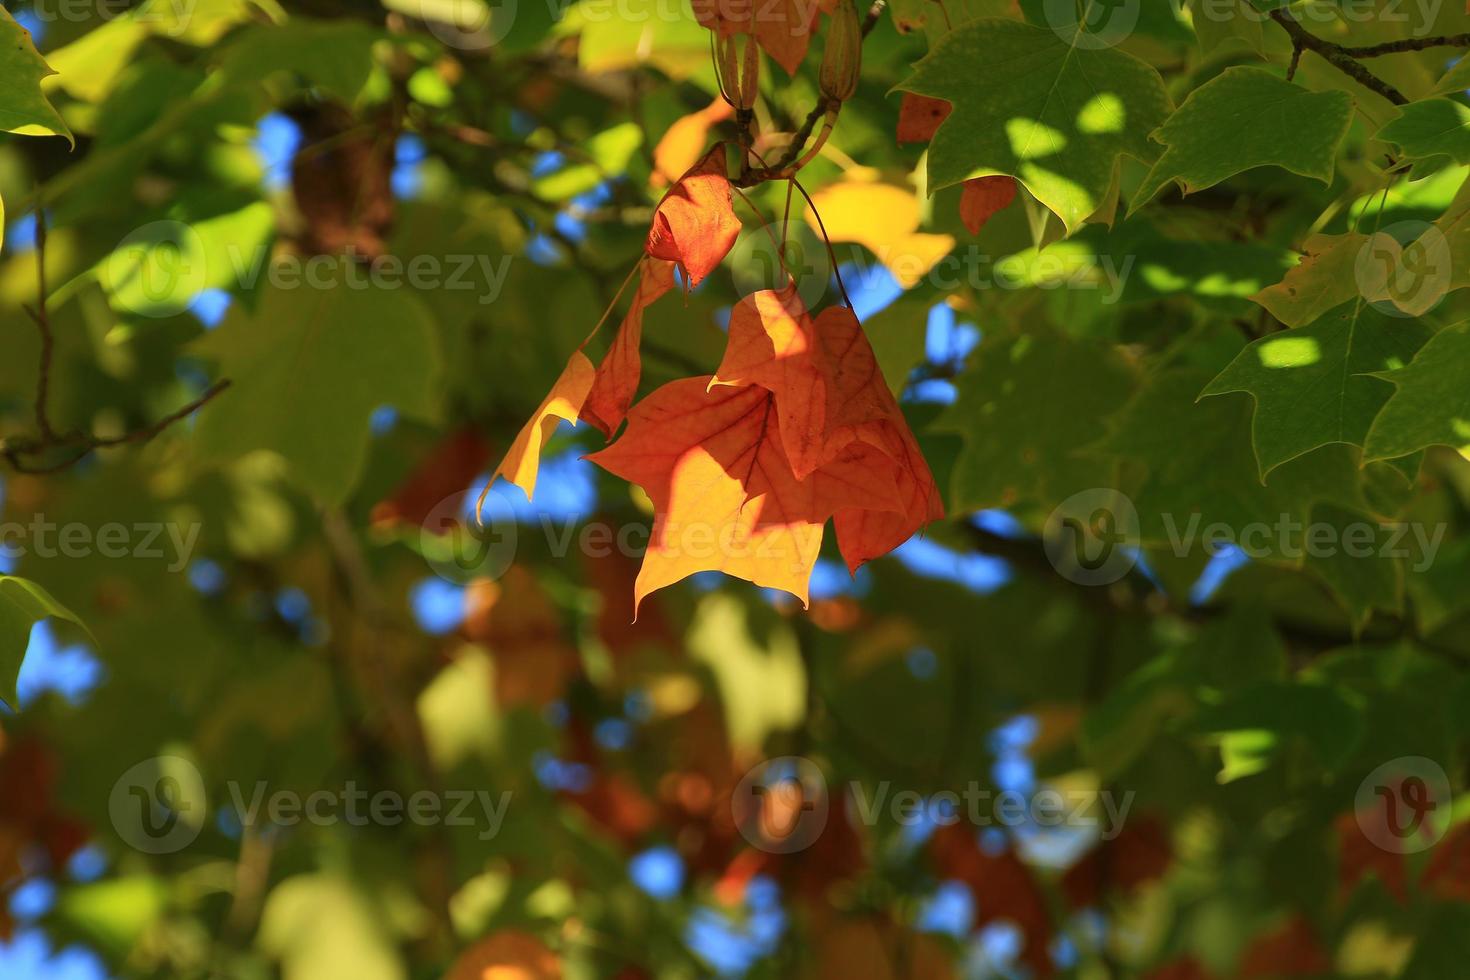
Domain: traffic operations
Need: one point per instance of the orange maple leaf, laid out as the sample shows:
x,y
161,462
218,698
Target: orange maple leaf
x,y
695,224
563,402
599,396
724,494
982,197
617,376
830,397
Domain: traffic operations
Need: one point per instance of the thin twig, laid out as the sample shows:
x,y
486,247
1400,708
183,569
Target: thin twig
x,y
1409,44
17,451
1338,57
149,431
43,324
831,254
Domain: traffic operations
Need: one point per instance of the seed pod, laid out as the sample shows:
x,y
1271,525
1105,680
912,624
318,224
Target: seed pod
x,y
738,70
750,74
842,61
726,71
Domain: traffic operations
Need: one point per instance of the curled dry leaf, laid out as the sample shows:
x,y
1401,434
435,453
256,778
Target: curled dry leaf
x,y
341,179
695,224
563,402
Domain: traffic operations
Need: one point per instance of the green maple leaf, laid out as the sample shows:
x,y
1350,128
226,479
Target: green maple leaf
x,y
1055,116
308,367
1313,385
1434,127
23,109
1430,402
1372,578
1021,440
1245,118
22,604
1323,280
1197,462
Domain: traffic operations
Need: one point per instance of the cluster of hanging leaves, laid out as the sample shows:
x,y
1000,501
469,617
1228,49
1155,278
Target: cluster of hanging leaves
x,y
744,467
1081,233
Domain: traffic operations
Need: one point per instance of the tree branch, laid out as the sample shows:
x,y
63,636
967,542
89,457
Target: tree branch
x,y
1409,44
1338,57
819,111
17,451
